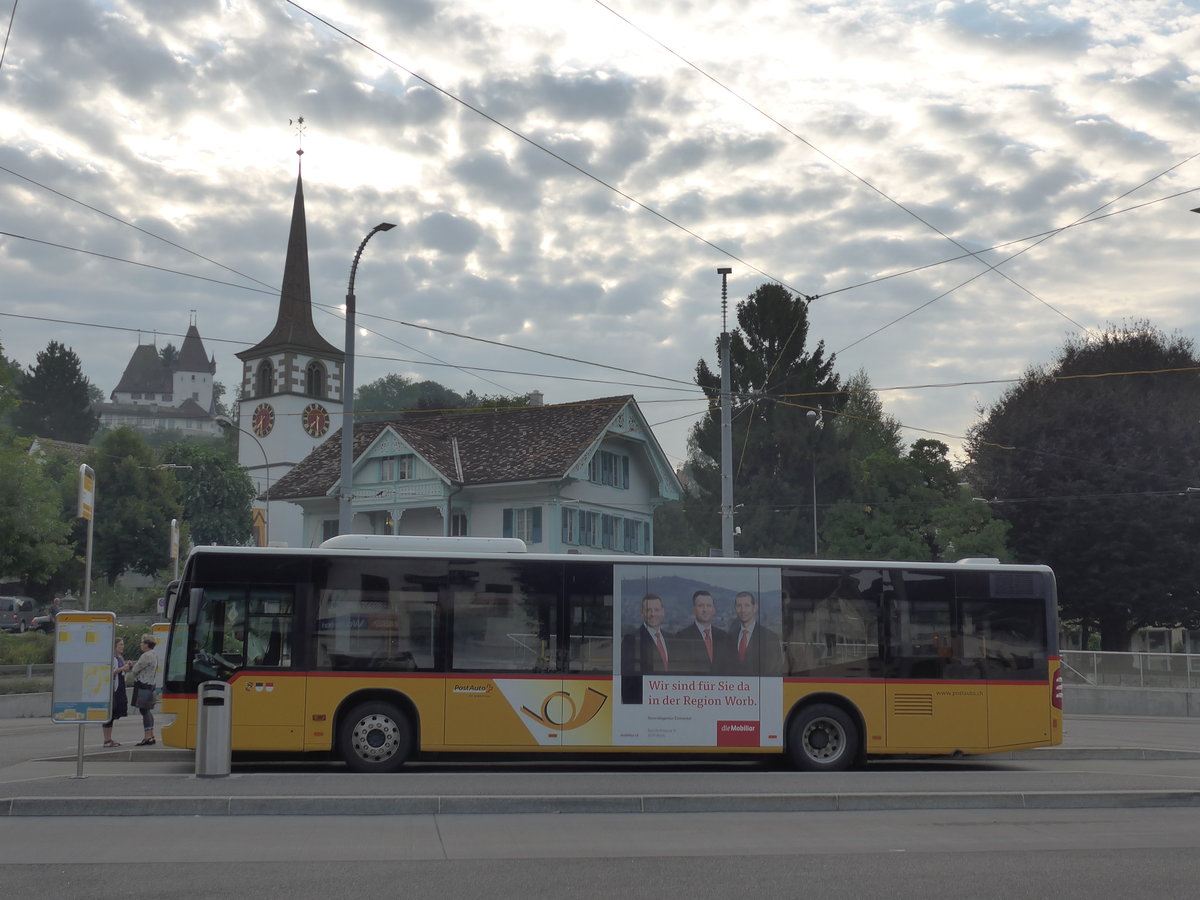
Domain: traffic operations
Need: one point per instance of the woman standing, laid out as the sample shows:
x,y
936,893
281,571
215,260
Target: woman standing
x,y
120,703
144,674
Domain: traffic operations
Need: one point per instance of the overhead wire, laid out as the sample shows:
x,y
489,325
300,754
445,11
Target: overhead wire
x,y
1022,251
8,33
853,174
533,143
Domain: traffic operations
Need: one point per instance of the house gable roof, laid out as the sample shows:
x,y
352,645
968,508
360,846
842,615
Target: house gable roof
x,y
532,443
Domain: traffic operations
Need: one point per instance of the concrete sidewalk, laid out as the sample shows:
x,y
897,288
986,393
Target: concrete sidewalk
x,y
1104,762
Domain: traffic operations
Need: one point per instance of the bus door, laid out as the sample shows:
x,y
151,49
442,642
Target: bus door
x,y
936,695
583,712
244,635
504,687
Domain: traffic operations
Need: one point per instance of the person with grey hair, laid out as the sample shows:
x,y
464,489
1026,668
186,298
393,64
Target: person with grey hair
x,y
145,688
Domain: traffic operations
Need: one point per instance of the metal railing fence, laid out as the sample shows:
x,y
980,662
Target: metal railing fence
x,y
1135,669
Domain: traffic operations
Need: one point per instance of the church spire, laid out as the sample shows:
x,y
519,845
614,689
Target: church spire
x,y
294,327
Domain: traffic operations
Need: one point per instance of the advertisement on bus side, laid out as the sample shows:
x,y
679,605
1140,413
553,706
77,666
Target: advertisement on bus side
x,y
700,660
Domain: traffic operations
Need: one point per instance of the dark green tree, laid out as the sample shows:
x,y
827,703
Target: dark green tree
x,y
34,537
135,503
494,401
56,399
395,397
169,355
10,380
215,491
220,407
913,508
777,445
1090,458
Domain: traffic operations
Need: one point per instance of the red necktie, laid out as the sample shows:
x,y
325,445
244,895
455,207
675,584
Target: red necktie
x,y
742,645
708,643
662,650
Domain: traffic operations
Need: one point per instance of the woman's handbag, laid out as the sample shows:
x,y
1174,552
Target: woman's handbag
x,y
143,695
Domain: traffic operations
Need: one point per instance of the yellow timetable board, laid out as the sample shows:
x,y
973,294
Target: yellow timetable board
x,y
83,664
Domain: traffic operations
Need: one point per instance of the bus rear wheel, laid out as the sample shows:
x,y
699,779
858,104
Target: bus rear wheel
x,y
375,737
822,738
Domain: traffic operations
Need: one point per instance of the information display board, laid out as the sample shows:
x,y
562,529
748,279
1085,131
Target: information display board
x,y
83,663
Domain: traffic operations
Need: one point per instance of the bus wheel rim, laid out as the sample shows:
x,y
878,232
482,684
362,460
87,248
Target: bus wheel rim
x,y
824,740
375,738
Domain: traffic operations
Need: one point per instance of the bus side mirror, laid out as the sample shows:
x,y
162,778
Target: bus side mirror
x,y
195,599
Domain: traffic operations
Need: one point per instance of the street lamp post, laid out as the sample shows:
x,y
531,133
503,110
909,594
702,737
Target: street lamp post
x,y
226,422
815,419
345,495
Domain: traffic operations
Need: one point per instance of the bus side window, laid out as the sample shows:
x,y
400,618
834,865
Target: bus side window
x,y
506,617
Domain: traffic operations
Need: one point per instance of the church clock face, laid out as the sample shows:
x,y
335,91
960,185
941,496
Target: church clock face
x,y
315,420
262,420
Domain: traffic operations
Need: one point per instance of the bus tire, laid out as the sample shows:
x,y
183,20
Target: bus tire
x,y
823,738
375,737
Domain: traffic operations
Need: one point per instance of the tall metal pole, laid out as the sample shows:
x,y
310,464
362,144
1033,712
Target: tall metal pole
x,y
726,428
226,422
346,489
816,419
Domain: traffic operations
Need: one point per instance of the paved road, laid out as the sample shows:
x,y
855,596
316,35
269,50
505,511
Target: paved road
x,y
945,855
1104,762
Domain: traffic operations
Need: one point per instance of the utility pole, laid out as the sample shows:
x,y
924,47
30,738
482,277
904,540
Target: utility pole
x,y
726,427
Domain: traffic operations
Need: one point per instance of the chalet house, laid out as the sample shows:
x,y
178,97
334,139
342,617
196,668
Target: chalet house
x,y
580,477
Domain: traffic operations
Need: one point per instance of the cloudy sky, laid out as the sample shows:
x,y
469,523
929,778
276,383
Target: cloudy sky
x,y
568,175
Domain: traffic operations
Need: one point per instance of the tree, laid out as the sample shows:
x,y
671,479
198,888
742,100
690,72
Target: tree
x,y
135,503
215,491
394,396
1090,459
912,508
220,407
10,385
777,446
472,401
55,398
34,538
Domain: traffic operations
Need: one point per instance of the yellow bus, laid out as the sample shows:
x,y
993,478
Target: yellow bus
x,y
383,649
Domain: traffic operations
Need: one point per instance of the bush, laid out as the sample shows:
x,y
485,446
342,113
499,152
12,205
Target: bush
x,y
26,649
36,685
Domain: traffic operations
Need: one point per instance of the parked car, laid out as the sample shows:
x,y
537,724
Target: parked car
x,y
16,614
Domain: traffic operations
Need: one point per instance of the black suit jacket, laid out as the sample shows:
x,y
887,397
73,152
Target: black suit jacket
x,y
764,652
691,656
639,656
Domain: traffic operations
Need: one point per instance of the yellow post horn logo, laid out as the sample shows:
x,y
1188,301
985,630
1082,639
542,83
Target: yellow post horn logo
x,y
593,702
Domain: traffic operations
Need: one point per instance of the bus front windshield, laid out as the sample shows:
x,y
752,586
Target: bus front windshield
x,y
238,627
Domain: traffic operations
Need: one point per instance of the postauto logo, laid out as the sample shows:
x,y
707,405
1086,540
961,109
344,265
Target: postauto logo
x,y
560,711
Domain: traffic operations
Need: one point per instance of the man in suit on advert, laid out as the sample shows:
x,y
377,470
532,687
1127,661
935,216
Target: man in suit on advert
x,y
645,650
700,649
755,649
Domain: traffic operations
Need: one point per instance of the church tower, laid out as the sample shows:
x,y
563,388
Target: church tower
x,y
291,386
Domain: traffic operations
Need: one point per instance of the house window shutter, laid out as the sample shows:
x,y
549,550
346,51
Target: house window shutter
x,y
508,523
625,472
537,525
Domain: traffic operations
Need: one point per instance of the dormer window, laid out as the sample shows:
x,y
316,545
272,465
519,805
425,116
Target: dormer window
x,y
396,468
609,468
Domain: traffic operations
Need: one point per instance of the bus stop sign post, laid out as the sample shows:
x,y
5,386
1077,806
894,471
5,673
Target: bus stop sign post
x,y
87,509
83,671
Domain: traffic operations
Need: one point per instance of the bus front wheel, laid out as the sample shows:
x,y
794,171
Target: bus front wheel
x,y
375,737
822,738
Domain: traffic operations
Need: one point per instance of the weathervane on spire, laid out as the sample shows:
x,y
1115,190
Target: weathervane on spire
x,y
299,123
